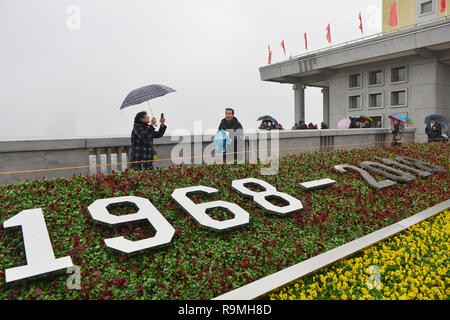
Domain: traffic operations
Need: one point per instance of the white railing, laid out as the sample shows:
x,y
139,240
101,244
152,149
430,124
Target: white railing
x,y
34,159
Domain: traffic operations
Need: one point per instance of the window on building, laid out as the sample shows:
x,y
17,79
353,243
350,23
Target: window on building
x,y
426,7
398,74
354,102
375,77
375,100
355,80
398,98
377,122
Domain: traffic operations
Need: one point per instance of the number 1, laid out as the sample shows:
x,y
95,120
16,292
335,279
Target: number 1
x,y
38,248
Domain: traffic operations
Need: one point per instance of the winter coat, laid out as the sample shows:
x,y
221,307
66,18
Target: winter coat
x,y
234,124
398,131
353,124
142,142
434,132
231,127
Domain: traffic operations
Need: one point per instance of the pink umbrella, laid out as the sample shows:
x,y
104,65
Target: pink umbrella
x,y
344,123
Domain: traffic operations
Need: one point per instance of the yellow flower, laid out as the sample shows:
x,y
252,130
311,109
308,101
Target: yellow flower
x,y
414,263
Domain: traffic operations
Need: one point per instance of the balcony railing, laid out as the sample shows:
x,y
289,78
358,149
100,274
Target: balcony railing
x,y
364,38
21,160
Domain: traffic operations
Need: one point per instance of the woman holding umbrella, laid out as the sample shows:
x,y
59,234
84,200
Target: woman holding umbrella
x,y
399,121
397,133
142,150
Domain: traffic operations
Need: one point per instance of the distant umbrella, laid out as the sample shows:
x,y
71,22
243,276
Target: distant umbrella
x,y
268,118
439,119
364,119
145,94
402,118
344,123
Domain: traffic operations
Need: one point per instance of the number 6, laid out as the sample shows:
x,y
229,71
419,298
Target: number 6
x,y
198,211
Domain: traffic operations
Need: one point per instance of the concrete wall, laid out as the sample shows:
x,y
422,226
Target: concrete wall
x,y
42,154
35,155
443,90
427,89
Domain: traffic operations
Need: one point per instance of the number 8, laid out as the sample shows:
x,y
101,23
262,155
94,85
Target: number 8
x,y
261,197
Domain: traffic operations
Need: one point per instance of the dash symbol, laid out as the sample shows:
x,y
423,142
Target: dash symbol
x,y
316,184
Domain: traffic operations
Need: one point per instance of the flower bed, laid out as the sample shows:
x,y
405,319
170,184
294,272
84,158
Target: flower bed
x,y
411,265
202,264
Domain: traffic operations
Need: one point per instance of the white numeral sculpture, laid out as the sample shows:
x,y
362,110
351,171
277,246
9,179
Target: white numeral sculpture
x,y
388,172
317,184
198,211
342,168
38,248
270,191
146,211
421,164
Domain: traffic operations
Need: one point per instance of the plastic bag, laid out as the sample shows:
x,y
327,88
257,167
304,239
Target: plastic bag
x,y
221,140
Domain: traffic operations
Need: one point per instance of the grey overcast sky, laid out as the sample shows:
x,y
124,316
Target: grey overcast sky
x,y
59,82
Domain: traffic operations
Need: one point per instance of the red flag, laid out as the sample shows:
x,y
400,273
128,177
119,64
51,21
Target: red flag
x,y
361,23
284,48
443,6
270,56
328,33
393,15
306,42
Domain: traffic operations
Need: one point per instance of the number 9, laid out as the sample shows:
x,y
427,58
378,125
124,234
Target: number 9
x,y
164,231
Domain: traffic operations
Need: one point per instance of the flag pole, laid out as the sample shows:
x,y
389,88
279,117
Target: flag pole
x,y
398,17
445,12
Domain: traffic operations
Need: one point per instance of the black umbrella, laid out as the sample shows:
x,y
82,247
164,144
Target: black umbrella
x,y
145,94
268,118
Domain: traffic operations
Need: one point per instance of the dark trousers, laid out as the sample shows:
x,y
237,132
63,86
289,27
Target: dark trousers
x,y
232,152
142,166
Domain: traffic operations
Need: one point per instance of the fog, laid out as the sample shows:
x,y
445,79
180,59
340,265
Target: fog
x,y
64,74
